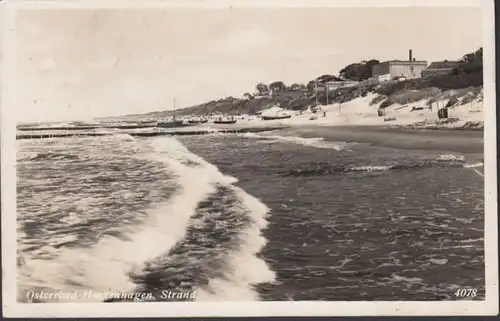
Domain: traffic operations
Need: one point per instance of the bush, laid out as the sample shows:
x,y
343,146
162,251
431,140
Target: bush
x,y
299,104
453,95
443,82
446,82
452,102
385,104
378,99
390,87
409,96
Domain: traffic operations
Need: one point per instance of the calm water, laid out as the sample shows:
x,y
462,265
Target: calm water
x,y
249,217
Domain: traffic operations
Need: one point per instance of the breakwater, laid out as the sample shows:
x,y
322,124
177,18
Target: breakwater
x,y
72,128
150,134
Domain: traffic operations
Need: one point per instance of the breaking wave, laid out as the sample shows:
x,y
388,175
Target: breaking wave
x,y
176,244
317,142
41,156
442,161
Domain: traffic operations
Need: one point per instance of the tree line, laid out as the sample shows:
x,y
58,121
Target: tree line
x,y
360,71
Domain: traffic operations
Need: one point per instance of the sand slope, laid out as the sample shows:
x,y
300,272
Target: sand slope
x,y
359,112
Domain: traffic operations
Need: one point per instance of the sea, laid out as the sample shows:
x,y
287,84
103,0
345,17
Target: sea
x,y
273,216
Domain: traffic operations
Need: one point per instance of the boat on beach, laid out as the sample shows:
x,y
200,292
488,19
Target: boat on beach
x,y
198,121
225,120
274,117
274,112
172,123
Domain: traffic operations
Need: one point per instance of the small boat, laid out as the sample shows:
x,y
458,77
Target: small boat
x,y
148,122
174,122
198,121
274,117
230,120
171,123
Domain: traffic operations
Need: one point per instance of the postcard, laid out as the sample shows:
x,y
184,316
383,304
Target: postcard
x,y
248,158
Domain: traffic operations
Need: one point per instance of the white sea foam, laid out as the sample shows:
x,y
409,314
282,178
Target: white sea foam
x,y
451,157
246,269
27,156
370,168
105,266
317,142
474,165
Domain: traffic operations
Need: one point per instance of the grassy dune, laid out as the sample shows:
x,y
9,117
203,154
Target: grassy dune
x,y
448,90
455,89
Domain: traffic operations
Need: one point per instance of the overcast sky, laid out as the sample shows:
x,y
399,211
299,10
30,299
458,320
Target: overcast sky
x,y
79,64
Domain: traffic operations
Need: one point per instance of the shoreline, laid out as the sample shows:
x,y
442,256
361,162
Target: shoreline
x,y
452,139
461,141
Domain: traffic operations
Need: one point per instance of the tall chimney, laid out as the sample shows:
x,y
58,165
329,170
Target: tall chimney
x,y
410,54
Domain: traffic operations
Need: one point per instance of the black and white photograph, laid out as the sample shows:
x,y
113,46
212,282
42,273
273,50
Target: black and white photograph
x,y
248,159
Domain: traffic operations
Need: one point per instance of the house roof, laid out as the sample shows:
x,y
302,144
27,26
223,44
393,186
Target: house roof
x,y
443,64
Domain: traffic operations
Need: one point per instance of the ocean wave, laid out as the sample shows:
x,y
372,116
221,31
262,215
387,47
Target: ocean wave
x,y
369,168
217,254
216,257
316,142
451,157
328,168
129,252
244,268
474,165
164,226
43,156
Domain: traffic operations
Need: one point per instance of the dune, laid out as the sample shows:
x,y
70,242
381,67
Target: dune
x,y
359,112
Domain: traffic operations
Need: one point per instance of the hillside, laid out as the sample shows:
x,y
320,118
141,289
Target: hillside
x,y
463,83
235,106
449,87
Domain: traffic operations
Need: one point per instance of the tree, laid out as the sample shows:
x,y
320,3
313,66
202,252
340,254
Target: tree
x,y
277,86
247,96
261,88
326,78
470,63
295,87
358,71
311,86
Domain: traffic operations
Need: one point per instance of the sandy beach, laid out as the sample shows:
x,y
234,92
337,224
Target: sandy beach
x,y
359,112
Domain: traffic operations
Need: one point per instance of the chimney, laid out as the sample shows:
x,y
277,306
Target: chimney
x,y
410,54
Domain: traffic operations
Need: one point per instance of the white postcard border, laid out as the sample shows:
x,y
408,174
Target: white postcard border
x,y
12,308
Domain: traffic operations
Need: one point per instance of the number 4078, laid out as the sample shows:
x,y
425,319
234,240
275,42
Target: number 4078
x,y
466,293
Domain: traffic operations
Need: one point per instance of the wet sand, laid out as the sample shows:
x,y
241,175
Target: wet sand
x,y
461,141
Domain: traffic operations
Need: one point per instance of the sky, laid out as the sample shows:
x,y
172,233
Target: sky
x,y
78,64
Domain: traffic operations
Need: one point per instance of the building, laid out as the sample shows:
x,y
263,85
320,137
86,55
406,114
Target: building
x,y
439,68
391,69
